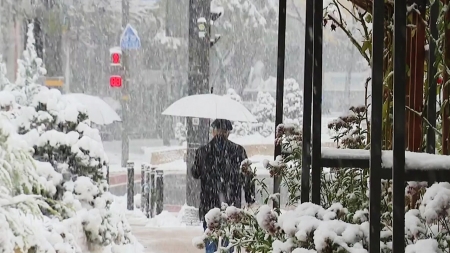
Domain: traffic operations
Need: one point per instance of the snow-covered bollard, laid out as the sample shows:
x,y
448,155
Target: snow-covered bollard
x,y
159,191
147,189
130,185
142,187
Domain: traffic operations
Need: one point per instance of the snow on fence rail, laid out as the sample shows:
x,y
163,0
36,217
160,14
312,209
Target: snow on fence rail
x,y
413,160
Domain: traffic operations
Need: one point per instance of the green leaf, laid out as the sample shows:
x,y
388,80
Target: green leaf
x,y
366,45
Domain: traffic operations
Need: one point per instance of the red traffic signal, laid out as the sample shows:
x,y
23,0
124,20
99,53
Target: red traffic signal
x,y
115,59
115,81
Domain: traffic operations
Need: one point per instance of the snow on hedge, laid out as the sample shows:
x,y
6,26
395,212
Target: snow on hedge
x,y
53,191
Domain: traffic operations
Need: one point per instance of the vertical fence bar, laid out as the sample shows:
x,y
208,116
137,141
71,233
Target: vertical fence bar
x,y
376,126
152,192
398,170
317,102
130,185
147,191
280,88
159,191
142,186
432,82
307,101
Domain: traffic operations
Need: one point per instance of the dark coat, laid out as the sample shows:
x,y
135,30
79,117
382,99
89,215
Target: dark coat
x,y
220,161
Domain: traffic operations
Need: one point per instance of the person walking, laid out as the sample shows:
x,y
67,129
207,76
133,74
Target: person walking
x,y
218,166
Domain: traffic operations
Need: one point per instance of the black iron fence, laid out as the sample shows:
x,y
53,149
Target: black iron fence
x,y
396,164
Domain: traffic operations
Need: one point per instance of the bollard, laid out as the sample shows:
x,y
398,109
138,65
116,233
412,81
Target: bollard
x,y
107,174
159,191
152,192
130,186
146,193
142,186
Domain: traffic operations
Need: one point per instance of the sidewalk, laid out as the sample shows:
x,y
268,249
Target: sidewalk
x,y
165,240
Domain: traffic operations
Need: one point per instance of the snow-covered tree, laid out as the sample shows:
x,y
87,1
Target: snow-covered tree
x,y
30,69
293,102
239,128
3,71
248,29
264,112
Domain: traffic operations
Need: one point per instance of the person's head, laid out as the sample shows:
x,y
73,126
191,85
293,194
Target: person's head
x,y
221,128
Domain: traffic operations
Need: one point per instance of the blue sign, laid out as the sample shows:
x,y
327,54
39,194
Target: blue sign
x,y
130,39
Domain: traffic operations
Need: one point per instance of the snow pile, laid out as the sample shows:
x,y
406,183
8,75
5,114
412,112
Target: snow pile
x,y
165,220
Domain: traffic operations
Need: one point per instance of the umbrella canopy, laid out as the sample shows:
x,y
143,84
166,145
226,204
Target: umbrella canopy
x,y
210,106
98,110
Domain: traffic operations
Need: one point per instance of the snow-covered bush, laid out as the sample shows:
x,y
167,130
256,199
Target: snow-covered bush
x,y
21,219
180,132
264,112
239,128
314,229
293,102
62,161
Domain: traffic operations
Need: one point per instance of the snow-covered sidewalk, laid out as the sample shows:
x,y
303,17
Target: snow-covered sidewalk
x,y
163,234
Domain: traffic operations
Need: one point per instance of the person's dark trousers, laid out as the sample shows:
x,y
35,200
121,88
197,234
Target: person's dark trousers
x,y
211,247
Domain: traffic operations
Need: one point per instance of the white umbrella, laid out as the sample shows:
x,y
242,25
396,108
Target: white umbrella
x,y
98,110
210,106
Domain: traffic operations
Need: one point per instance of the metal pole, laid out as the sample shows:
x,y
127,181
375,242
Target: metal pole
x,y
130,186
398,170
198,81
376,125
307,102
280,89
159,191
432,69
317,103
125,89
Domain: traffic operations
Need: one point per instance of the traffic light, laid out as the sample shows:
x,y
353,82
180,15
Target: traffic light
x,y
115,81
116,56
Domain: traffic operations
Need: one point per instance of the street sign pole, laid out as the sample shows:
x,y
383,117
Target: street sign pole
x,y
125,91
128,41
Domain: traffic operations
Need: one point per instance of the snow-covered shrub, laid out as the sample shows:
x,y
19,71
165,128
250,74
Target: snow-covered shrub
x,y
180,132
264,112
312,228
62,160
293,102
239,128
